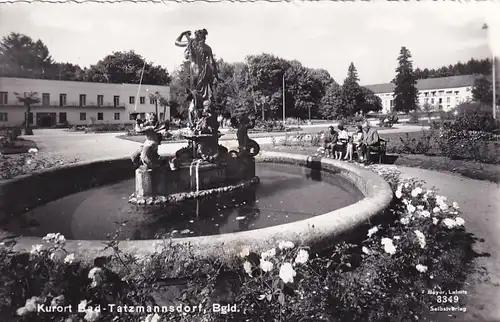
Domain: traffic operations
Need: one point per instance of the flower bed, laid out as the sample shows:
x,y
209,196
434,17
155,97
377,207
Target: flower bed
x,y
380,274
19,164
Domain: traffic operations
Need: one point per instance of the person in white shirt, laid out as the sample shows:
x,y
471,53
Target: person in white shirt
x,y
354,143
343,138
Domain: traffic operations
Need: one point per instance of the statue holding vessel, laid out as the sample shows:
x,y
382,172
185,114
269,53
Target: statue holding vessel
x,y
204,166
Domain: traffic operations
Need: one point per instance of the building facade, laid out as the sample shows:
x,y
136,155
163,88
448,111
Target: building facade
x,y
76,103
443,93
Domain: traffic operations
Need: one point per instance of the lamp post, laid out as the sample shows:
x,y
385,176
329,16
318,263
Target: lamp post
x,y
284,101
493,73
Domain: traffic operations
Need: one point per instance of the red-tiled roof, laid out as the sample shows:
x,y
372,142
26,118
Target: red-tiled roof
x,y
429,83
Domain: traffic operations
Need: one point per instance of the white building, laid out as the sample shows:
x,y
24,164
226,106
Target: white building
x,y
76,103
440,93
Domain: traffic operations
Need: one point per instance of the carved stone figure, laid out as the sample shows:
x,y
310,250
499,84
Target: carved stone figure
x,y
202,68
246,146
195,109
147,155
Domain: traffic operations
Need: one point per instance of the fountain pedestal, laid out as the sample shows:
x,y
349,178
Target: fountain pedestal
x,y
163,181
200,169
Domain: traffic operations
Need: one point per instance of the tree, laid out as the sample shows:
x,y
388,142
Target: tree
x,y
178,86
265,77
67,72
371,102
405,91
483,90
472,67
126,67
352,95
161,101
331,103
21,56
28,99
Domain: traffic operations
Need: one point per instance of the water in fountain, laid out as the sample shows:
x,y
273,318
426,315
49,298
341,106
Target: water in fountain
x,y
285,194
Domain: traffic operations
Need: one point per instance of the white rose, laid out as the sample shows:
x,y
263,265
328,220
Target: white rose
x,y
287,273
388,246
266,266
421,238
450,223
269,254
421,268
285,245
372,231
69,259
302,257
459,221
248,268
416,192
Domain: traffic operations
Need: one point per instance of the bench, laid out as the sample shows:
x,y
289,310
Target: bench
x,y
380,152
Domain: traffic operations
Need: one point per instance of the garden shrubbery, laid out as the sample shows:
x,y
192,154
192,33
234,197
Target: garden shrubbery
x,y
272,126
8,135
388,120
19,164
382,275
100,128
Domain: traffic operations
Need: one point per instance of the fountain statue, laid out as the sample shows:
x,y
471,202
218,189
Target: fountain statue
x,y
203,167
147,155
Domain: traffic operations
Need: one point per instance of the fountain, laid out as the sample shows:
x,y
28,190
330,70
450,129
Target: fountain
x,y
204,167
203,196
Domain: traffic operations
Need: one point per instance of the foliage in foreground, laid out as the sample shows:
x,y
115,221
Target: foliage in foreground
x,y
420,244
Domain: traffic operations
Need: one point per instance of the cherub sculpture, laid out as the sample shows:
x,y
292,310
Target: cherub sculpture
x,y
147,156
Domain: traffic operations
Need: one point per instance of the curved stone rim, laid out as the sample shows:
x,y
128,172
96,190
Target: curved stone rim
x,y
318,231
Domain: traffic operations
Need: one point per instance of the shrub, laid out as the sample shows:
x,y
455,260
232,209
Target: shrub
x,y
352,120
421,145
414,118
388,120
457,141
99,128
8,135
476,117
302,139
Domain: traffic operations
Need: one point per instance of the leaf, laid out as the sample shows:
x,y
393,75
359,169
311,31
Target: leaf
x,y
269,297
281,298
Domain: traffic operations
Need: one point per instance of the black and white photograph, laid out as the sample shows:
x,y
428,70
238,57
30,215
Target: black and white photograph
x,y
225,161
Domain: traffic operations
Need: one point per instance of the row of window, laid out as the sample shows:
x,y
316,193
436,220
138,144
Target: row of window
x,y
4,117
4,99
100,116
439,93
432,101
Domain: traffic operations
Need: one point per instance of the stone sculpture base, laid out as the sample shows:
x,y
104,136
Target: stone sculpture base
x,y
163,181
162,201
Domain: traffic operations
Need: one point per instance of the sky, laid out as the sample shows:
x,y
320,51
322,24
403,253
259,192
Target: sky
x,y
327,35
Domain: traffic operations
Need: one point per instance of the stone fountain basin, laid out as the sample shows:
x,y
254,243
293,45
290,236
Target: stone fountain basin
x,y
319,232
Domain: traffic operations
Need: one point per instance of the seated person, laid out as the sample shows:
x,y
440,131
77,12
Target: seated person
x,y
354,143
371,141
343,138
330,140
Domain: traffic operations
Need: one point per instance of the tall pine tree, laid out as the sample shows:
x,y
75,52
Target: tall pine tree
x,y
352,95
405,91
